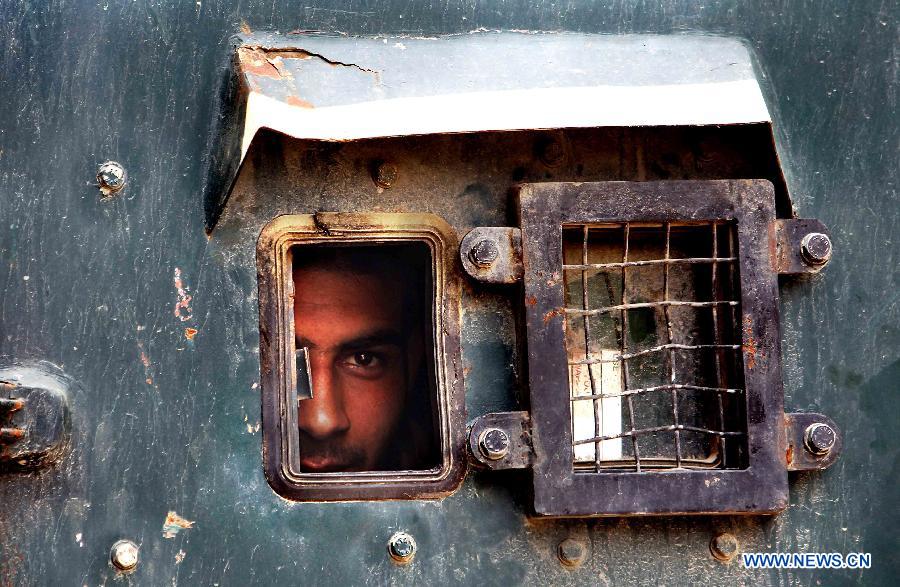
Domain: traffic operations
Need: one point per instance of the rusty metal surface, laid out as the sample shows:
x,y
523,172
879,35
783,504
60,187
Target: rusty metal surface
x,y
517,425
799,457
504,265
760,487
159,324
788,238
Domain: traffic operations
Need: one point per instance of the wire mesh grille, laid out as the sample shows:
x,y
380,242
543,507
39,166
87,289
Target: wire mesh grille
x,y
653,343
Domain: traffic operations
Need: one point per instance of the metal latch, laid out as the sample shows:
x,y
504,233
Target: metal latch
x,y
35,423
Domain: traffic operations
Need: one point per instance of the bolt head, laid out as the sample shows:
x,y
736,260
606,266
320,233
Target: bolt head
x,y
571,552
552,153
819,438
124,555
494,444
724,546
484,253
815,248
385,175
111,177
402,547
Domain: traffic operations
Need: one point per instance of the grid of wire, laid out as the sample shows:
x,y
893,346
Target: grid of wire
x,y
711,388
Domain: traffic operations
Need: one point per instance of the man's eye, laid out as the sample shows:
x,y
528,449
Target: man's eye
x,y
364,359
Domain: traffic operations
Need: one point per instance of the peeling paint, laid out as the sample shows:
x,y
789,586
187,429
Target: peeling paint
x,y
175,524
295,101
183,303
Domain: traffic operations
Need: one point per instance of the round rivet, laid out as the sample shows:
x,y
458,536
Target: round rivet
x,y
552,153
571,552
815,248
385,174
494,444
402,547
111,177
124,555
819,438
724,546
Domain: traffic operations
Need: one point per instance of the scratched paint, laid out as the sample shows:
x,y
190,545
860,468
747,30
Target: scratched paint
x,y
183,302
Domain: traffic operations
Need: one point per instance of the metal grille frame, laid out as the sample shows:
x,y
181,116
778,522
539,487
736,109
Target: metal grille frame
x,y
761,487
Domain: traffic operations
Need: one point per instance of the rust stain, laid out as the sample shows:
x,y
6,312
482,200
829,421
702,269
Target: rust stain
x,y
750,344
256,62
175,524
551,315
531,300
145,361
278,63
295,101
789,455
183,303
190,333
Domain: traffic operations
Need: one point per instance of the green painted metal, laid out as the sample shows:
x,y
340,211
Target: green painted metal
x,y
162,423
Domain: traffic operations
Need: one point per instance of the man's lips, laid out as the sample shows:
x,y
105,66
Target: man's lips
x,y
321,465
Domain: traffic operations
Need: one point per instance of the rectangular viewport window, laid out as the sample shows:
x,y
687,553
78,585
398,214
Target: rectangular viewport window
x,y
363,332
359,342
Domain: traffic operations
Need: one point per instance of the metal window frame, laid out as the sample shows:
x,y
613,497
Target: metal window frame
x,y
280,431
762,487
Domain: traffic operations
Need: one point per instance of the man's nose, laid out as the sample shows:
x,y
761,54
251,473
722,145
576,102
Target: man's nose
x,y
323,415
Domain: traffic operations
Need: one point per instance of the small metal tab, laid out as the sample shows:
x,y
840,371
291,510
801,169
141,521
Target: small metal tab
x,y
801,245
814,442
493,254
304,375
501,440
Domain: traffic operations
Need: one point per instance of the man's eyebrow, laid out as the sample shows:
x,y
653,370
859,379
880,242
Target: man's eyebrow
x,y
385,336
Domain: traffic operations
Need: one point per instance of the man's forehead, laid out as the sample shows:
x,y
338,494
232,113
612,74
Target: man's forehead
x,y
337,307
325,286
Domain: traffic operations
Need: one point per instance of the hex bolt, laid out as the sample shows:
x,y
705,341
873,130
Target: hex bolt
x,y
111,177
124,555
493,444
724,546
815,248
819,438
484,253
385,174
402,547
571,552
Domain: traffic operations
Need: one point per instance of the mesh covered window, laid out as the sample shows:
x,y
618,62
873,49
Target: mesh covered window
x,y
653,344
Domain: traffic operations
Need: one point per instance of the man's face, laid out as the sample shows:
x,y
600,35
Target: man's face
x,y
352,326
